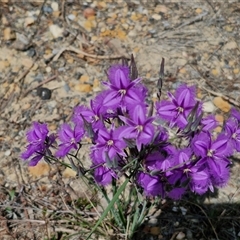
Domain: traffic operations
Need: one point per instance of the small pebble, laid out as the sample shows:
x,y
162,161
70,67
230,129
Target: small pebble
x,y
54,6
209,107
71,17
68,173
31,52
39,77
8,153
132,33
22,38
56,30
176,224
180,236
88,12
156,16
29,21
8,34
48,69
222,104
84,78
175,209
183,210
83,88
44,93
62,69
189,234
66,87
27,62
47,9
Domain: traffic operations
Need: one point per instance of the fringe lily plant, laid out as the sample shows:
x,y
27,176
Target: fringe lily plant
x,y
133,151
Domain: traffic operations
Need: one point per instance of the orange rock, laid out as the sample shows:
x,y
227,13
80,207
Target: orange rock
x,y
198,10
222,104
219,118
215,72
68,173
42,168
88,12
102,4
83,88
88,25
199,93
8,34
236,70
218,129
183,70
84,78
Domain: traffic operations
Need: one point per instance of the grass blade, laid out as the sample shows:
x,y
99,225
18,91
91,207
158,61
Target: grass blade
x,y
115,198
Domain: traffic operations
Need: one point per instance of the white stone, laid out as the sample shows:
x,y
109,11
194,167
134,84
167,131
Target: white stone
x,y
8,153
71,17
56,31
156,16
48,69
180,235
54,6
209,107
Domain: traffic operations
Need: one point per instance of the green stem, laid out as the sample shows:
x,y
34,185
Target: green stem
x,y
109,207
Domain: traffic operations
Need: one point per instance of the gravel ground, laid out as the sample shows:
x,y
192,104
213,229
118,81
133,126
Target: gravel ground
x,y
66,46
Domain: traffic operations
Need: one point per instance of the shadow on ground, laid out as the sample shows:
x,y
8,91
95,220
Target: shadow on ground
x,y
191,219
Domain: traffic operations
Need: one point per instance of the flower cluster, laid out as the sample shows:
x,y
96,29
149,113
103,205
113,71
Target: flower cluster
x,y
128,139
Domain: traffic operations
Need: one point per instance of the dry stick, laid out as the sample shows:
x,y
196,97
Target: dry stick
x,y
73,49
40,84
206,217
193,20
23,75
174,235
234,102
226,98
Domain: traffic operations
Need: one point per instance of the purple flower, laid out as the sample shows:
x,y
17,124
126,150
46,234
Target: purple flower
x,y
104,168
39,143
154,161
103,175
181,164
93,115
152,185
209,123
161,135
123,91
203,146
177,193
213,155
69,138
200,181
177,110
235,113
38,133
139,127
110,142
182,157
219,171
233,132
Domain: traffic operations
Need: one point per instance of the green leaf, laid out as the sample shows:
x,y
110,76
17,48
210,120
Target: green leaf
x,y
115,198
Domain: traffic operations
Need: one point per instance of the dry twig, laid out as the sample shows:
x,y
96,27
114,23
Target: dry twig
x,y
216,235
40,84
224,97
78,51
